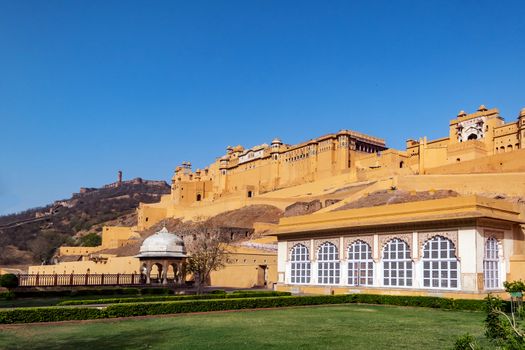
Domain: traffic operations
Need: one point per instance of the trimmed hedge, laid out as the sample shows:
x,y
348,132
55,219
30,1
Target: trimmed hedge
x,y
138,300
81,292
172,298
126,310
7,295
422,301
49,314
252,294
256,293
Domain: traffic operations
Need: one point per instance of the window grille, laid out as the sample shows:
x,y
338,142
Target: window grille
x,y
360,264
440,264
491,274
300,269
397,265
328,264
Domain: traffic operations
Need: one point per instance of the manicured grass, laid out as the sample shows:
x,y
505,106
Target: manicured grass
x,y
320,327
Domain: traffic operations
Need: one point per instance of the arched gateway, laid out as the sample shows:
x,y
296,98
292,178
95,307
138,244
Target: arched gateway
x,y
160,252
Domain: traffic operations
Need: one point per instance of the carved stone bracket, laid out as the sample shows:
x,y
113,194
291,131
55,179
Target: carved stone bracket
x,y
406,237
318,242
423,237
291,244
350,240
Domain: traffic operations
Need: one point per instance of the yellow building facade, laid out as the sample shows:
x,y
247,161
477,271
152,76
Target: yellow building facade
x,y
241,176
454,247
250,265
335,169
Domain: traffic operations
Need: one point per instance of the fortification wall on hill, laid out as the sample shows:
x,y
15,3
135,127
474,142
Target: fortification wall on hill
x,y
498,163
509,184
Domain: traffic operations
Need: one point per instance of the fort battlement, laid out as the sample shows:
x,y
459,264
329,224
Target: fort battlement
x,y
244,173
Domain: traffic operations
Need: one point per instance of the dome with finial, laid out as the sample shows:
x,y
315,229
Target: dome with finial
x,y
163,244
277,141
462,113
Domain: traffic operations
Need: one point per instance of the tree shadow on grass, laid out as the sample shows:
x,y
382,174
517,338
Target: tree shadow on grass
x,y
122,339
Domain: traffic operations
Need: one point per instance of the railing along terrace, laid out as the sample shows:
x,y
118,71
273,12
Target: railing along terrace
x,y
46,280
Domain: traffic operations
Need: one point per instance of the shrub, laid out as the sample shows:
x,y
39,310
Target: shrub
x,y
125,310
9,281
7,295
218,291
260,292
500,328
466,342
243,294
514,286
94,292
494,328
30,315
156,291
173,298
141,299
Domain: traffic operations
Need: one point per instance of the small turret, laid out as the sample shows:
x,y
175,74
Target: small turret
x,y
277,141
276,144
482,108
521,119
223,162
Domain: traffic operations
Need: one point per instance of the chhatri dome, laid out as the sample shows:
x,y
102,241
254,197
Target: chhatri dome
x,y
163,244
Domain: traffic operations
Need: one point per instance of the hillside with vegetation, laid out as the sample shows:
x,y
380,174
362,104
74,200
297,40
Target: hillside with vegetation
x,y
32,236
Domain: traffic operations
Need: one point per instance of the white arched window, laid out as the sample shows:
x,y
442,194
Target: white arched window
x,y
360,264
491,264
440,265
300,264
328,264
397,265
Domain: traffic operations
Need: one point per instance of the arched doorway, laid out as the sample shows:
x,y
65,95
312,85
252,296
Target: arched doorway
x,y
155,273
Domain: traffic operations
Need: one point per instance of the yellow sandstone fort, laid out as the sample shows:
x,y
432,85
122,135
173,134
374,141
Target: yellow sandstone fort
x,y
482,155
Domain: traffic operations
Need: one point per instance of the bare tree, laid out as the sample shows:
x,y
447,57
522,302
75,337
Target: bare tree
x,y
206,249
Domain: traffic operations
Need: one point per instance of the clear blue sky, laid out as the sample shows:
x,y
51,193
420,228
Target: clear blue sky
x,y
91,87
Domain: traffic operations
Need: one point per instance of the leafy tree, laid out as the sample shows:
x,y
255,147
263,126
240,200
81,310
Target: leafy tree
x,y
207,251
9,281
90,240
514,286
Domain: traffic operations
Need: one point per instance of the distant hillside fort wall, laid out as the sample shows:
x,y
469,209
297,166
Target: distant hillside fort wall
x,y
476,142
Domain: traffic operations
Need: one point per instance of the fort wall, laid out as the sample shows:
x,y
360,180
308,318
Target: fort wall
x,y
509,184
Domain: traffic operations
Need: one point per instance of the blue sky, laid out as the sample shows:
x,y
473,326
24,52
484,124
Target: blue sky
x,y
91,87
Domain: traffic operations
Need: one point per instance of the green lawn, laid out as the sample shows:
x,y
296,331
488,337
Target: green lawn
x,y
321,327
